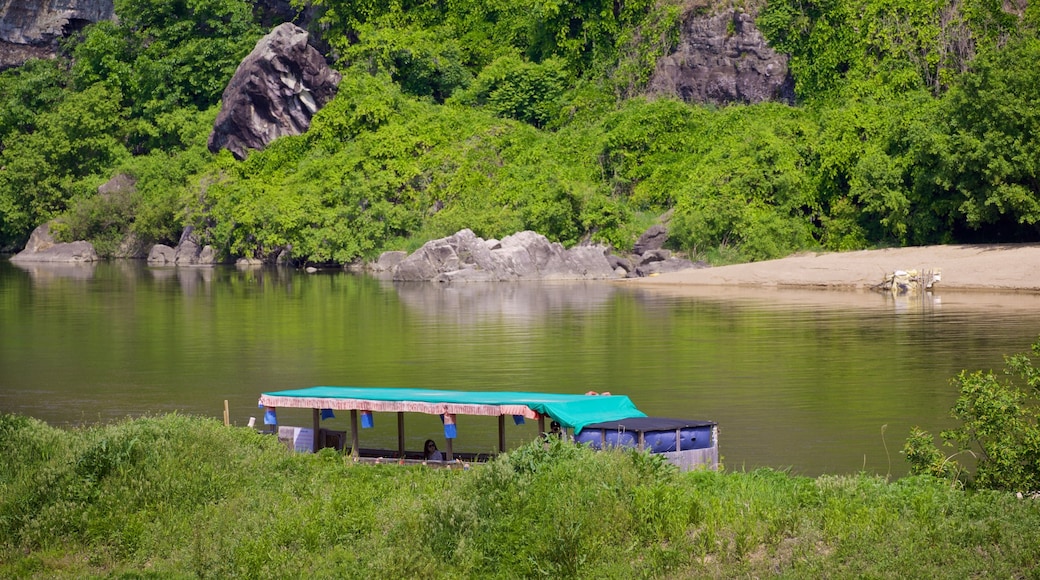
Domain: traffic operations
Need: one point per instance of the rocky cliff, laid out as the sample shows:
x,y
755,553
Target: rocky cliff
x,y
32,28
722,58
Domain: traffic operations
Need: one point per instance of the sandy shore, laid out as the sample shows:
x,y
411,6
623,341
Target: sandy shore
x,y
967,270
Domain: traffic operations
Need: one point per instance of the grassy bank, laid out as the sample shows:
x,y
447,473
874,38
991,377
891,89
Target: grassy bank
x,y
178,496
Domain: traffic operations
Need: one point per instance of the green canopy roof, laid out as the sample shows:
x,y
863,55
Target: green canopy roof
x,y
571,411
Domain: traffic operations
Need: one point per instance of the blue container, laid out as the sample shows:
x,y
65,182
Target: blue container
x,y
659,434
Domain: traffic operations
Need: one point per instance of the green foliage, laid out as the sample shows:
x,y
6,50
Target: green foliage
x,y
987,154
646,144
870,174
512,88
998,425
26,92
752,189
164,56
177,496
821,39
502,116
425,62
62,158
881,46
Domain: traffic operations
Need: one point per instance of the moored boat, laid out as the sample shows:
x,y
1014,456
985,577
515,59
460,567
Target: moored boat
x,y
600,420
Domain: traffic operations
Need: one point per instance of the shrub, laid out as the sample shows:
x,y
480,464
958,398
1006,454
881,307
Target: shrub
x,y
998,425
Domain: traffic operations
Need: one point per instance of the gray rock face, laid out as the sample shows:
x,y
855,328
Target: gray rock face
x,y
33,28
275,92
43,248
387,261
652,239
463,257
723,58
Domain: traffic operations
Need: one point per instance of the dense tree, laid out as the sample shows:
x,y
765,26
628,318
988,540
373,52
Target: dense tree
x,y
917,124
990,150
164,56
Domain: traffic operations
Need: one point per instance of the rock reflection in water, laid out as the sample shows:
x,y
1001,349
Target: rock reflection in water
x,y
514,301
190,279
47,272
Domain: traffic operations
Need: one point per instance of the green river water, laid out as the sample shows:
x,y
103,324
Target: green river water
x,y
811,381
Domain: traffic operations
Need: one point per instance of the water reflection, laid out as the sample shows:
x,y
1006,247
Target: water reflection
x,y
805,379
48,272
521,302
191,280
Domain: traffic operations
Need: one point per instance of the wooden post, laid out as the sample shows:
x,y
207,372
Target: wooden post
x,y
227,417
541,425
400,434
501,433
316,421
355,452
450,453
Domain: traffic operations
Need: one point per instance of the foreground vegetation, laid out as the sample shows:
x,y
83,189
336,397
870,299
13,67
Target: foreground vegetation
x,y
179,496
916,122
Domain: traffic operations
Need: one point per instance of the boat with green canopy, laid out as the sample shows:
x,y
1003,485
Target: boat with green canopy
x,y
573,412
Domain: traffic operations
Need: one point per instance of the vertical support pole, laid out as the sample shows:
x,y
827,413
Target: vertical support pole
x,y
227,417
450,454
678,439
501,433
541,425
400,434
642,440
316,420
354,451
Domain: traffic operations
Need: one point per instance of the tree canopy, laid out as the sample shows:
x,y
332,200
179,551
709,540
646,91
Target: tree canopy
x,y
915,123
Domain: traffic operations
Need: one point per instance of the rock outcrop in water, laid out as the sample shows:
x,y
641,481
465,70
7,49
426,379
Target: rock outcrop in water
x,y
463,257
43,248
187,253
275,92
524,256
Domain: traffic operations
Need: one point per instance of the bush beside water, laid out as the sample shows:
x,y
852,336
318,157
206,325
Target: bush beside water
x,y
179,496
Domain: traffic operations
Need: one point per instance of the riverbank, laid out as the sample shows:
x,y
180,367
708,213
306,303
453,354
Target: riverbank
x,y
982,278
984,267
179,496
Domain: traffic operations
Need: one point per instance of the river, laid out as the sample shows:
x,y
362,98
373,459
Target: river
x,y
810,381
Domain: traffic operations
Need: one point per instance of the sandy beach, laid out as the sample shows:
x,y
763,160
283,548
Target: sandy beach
x,y
1005,275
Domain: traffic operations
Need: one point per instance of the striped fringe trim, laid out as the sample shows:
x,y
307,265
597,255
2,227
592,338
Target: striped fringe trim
x,y
397,406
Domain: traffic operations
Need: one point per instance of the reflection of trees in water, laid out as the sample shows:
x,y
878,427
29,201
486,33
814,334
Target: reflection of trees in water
x,y
515,301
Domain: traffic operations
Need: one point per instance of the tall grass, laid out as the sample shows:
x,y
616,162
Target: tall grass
x,y
178,496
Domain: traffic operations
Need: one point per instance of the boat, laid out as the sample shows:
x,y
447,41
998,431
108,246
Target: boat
x,y
600,420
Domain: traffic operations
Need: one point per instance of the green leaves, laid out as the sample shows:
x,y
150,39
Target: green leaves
x,y
989,156
999,424
514,89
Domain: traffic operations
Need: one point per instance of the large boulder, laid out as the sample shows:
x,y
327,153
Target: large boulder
x,y
275,91
42,248
722,58
35,28
463,257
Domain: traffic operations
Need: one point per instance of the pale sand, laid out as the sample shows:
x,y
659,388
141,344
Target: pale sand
x,y
1002,274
